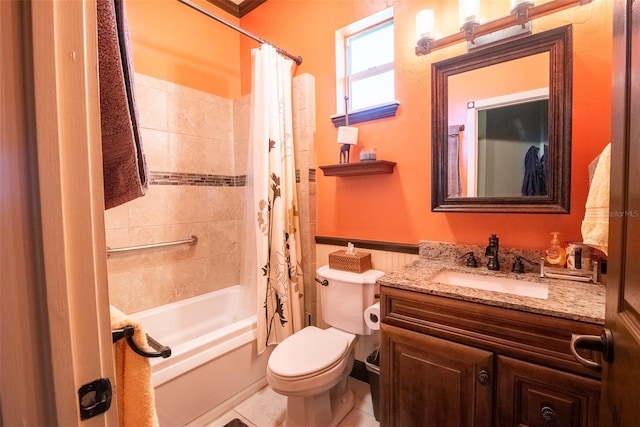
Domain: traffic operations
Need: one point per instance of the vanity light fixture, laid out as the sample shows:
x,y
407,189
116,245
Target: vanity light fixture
x,y
469,19
520,9
424,30
522,12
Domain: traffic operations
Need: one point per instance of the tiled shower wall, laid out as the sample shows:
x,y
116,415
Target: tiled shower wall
x,y
195,146
304,128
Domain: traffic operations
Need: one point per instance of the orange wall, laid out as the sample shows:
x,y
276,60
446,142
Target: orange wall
x,y
176,43
397,207
173,42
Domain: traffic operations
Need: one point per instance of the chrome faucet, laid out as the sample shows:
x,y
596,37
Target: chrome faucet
x,y
492,253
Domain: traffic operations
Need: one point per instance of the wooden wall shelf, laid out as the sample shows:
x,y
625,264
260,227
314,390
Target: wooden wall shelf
x,y
359,168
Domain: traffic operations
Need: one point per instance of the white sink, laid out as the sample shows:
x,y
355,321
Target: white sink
x,y
497,284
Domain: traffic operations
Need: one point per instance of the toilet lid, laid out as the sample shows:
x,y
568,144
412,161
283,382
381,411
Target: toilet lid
x,y
307,351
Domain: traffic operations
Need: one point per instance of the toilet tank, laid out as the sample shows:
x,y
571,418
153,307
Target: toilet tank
x,y
346,297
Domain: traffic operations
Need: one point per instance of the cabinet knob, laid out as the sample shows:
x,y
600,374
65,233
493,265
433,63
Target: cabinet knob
x,y
548,415
483,377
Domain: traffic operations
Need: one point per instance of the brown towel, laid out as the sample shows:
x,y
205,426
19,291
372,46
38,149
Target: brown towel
x,y
134,390
124,166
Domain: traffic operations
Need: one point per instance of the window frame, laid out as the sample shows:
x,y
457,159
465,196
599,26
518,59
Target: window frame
x,y
351,78
343,87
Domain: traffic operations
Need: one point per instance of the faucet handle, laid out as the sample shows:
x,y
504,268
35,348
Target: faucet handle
x,y
472,261
518,265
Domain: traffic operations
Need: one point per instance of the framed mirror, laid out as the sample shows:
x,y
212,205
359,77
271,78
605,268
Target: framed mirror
x,y
501,127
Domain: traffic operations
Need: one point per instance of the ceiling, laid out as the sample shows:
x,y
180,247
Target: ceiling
x,y
237,8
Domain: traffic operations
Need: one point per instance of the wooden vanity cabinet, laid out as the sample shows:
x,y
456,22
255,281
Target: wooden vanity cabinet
x,y
452,363
533,395
453,397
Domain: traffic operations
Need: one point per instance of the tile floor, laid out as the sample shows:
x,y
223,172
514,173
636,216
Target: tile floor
x,y
267,408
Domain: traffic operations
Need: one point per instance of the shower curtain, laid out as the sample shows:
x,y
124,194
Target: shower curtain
x,y
273,209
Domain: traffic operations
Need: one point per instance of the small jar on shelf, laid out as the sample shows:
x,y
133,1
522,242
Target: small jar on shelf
x,y
368,155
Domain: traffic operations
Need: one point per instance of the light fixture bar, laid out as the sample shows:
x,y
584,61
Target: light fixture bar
x,y
499,24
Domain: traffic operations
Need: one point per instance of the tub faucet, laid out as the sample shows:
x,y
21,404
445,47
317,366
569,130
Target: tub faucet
x,y
492,253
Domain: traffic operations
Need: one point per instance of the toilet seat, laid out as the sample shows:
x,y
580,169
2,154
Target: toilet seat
x,y
309,352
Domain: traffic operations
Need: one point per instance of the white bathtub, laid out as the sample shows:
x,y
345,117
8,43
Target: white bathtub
x,y
214,362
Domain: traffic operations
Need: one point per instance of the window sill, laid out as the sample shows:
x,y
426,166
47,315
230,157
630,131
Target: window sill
x,y
367,114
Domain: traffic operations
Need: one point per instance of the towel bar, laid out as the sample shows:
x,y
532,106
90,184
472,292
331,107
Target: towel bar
x,y
190,241
128,331
566,274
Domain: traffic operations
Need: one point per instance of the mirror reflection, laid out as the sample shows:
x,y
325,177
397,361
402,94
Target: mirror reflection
x,y
501,127
504,146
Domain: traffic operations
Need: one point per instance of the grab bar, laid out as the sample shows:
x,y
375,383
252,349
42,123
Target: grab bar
x,y
190,241
128,331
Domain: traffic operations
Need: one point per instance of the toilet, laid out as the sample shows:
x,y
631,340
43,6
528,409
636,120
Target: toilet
x,y
311,367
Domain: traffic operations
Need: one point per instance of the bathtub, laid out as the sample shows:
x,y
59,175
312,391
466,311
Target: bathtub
x,y
214,363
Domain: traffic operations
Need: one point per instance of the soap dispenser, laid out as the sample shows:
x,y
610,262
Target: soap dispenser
x,y
555,255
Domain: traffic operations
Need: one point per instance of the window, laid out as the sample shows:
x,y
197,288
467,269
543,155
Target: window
x,y
369,71
365,69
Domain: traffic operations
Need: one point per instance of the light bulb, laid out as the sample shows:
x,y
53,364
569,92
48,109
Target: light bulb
x,y
469,10
515,3
425,24
521,3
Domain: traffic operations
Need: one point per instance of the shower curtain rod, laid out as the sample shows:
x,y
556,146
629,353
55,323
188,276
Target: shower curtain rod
x,y
296,59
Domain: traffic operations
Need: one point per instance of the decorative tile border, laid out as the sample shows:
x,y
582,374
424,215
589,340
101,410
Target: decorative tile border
x,y
312,175
178,178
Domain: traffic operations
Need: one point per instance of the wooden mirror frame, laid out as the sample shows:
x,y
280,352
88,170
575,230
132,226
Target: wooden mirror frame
x,y
558,42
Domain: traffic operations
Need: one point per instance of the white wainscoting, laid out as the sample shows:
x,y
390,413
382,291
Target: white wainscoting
x,y
380,260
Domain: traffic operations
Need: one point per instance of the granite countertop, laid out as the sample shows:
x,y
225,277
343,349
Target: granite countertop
x,y
569,299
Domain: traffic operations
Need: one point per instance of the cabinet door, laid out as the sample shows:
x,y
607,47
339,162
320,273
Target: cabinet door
x,y
427,381
530,395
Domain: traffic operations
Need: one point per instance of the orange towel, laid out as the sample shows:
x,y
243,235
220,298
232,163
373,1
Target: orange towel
x,y
134,390
123,162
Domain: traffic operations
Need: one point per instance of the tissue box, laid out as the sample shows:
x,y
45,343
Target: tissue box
x,y
356,263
